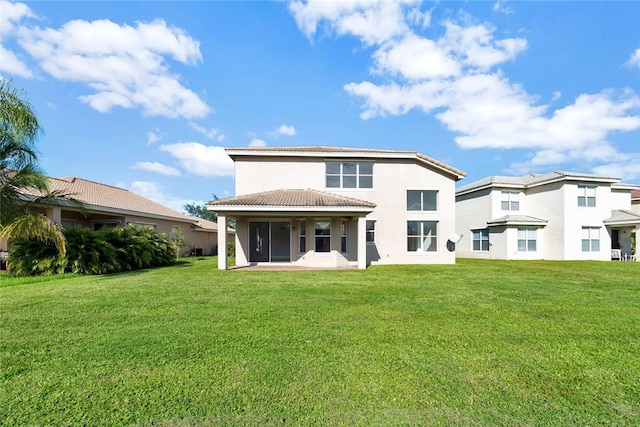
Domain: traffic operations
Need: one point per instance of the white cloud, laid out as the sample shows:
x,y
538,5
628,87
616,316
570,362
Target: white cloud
x,y
10,16
283,130
374,21
126,66
154,191
634,59
456,77
257,142
501,7
154,136
209,133
200,159
157,168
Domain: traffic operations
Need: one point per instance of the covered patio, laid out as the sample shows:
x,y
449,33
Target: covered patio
x,y
296,227
623,226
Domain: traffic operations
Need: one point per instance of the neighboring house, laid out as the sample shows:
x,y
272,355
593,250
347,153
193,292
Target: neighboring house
x,y
335,207
635,201
108,206
555,216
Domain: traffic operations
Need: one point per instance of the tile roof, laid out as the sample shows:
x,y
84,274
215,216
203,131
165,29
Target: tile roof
x,y
532,180
295,198
623,216
324,151
517,220
98,196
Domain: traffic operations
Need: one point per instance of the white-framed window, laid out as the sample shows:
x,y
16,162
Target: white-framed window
x,y
590,239
344,231
97,225
422,236
587,196
527,239
480,240
151,225
422,200
349,174
302,236
323,235
510,201
370,231
68,223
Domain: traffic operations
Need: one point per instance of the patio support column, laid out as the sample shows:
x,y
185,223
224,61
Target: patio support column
x,y
222,242
362,242
55,214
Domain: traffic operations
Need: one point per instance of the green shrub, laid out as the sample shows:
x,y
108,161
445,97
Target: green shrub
x,y
33,257
95,252
88,252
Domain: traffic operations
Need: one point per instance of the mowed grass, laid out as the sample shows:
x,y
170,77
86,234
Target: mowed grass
x,y
476,343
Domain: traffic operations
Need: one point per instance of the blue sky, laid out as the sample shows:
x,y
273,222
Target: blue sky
x,y
145,95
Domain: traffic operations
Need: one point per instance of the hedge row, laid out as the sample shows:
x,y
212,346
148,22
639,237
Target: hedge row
x,y
108,250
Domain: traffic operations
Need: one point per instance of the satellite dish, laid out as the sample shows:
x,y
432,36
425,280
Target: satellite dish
x,y
455,238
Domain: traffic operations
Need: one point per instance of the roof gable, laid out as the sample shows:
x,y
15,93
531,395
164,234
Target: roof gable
x,y
533,180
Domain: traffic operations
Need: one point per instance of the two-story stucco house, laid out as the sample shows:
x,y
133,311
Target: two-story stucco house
x,y
555,216
335,207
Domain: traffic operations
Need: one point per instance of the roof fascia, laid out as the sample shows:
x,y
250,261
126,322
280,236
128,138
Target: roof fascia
x,y
403,155
285,209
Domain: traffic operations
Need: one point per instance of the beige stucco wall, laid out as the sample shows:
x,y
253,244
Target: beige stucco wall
x,y
472,213
391,180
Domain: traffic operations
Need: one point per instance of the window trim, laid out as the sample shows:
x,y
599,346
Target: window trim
x,y
302,236
590,240
344,236
422,200
527,239
422,237
584,191
317,236
370,231
508,197
482,234
358,175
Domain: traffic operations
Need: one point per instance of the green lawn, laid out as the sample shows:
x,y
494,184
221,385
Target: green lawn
x,y
477,343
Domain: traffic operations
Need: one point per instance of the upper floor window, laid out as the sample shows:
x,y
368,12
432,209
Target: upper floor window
x,y
349,174
510,201
422,200
422,236
480,240
587,196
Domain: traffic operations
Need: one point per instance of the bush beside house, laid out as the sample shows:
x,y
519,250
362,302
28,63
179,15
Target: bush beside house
x,y
108,250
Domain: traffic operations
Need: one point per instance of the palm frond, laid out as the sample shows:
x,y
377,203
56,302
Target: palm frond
x,y
35,226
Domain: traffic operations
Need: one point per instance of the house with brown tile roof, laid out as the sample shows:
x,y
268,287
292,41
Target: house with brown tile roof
x,y
109,206
635,201
338,207
556,215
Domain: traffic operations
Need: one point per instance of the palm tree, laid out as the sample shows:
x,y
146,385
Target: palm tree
x,y
22,185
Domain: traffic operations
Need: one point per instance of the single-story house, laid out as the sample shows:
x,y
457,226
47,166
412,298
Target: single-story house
x,y
109,206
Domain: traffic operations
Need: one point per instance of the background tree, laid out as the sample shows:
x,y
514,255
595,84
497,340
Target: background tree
x,y
22,185
200,211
